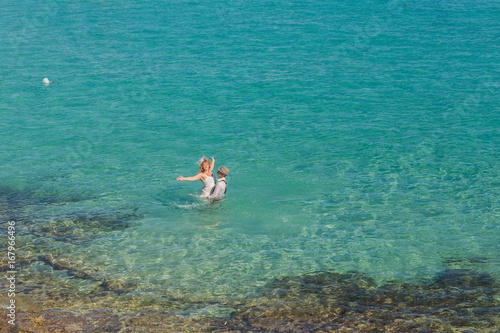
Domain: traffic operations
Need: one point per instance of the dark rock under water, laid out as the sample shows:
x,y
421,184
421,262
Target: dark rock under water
x,y
21,205
455,301
26,208
79,227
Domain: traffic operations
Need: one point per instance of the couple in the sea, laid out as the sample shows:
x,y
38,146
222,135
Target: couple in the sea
x,y
211,188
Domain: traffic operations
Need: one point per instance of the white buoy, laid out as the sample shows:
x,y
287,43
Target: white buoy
x,y
46,81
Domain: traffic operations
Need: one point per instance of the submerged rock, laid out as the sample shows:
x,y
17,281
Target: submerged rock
x,y
20,204
29,210
66,321
457,300
81,227
4,266
462,278
82,271
319,302
317,283
212,310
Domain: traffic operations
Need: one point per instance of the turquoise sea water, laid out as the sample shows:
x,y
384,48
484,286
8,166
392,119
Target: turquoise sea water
x,y
359,136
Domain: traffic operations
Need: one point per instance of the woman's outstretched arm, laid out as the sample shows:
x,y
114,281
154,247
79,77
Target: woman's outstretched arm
x,y
198,176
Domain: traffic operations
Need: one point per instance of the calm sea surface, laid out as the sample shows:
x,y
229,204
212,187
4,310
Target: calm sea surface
x,y
359,136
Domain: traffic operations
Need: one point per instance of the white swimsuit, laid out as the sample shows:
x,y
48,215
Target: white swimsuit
x,y
209,183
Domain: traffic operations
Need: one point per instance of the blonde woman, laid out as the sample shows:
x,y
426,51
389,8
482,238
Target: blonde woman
x,y
206,176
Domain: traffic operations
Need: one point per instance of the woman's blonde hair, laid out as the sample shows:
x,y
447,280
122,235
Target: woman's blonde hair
x,y
203,160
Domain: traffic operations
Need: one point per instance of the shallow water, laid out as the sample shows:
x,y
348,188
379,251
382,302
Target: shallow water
x,y
359,138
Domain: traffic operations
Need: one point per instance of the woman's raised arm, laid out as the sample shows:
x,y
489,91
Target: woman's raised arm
x,y
212,164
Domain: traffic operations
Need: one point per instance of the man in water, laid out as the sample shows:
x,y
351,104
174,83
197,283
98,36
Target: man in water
x,y
220,188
